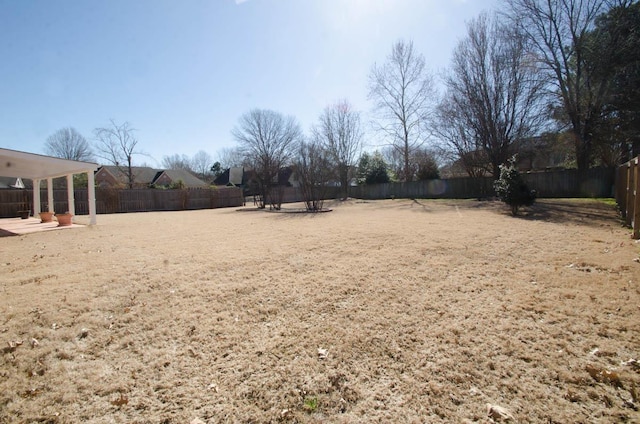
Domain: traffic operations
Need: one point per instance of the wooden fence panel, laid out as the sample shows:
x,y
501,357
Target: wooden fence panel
x,y
628,194
595,182
122,201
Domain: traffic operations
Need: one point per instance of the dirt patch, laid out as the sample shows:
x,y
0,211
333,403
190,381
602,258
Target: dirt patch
x,y
381,311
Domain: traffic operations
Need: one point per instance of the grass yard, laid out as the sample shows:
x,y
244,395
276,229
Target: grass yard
x,y
381,311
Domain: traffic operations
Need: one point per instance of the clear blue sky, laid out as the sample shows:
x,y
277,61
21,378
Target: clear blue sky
x,y
183,72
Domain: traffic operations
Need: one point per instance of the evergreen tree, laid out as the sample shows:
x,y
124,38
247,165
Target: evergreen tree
x,y
372,169
512,189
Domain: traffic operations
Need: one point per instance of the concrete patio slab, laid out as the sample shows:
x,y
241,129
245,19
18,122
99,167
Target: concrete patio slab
x,y
17,226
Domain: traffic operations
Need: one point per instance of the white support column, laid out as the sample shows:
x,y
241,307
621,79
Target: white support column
x,y
37,207
50,195
91,186
71,201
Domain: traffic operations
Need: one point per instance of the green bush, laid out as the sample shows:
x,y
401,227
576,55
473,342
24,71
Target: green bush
x,y
372,169
512,189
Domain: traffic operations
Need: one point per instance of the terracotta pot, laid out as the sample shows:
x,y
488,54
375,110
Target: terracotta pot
x,y
24,214
46,216
64,219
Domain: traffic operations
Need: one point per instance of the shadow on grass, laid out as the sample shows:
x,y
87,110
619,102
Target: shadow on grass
x,y
577,211
421,205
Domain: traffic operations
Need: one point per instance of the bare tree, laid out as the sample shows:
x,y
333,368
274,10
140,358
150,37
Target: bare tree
x,y
313,170
117,145
201,164
177,162
340,132
402,91
559,34
267,140
230,157
493,92
458,144
68,143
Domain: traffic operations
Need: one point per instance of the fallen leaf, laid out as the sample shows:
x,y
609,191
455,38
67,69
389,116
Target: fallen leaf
x,y
31,392
122,400
498,413
604,376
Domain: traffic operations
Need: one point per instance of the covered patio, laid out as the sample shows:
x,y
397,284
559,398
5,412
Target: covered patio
x,y
38,168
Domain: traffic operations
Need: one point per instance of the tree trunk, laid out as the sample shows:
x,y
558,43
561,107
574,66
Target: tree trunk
x,y
344,181
583,152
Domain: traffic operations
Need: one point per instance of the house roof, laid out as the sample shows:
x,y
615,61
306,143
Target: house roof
x,y
10,182
146,175
18,164
187,177
141,174
236,175
241,176
222,179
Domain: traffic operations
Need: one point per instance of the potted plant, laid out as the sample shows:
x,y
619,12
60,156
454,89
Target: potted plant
x,y
46,216
64,219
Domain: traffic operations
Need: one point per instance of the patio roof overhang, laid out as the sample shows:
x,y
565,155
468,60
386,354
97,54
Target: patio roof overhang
x,y
16,164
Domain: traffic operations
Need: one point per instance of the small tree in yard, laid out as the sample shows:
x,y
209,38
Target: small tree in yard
x,y
267,141
512,189
314,171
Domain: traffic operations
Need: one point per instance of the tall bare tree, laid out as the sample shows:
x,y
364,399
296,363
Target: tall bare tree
x,y
230,157
68,143
177,161
559,34
201,164
267,140
402,92
458,143
493,92
340,133
117,145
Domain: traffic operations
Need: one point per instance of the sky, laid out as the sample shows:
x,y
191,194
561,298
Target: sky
x,y
182,73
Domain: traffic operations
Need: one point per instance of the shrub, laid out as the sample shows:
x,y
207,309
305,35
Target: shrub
x,y
177,185
372,169
512,189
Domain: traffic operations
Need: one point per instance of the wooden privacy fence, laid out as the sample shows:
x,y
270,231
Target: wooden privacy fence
x,y
628,194
118,201
595,182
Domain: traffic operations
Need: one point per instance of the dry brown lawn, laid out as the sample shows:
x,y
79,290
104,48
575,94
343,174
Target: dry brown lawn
x,y
385,311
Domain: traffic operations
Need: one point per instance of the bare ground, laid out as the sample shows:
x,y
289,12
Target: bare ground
x,y
389,311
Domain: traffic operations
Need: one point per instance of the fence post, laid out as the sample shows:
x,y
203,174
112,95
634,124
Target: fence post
x,y
636,198
630,193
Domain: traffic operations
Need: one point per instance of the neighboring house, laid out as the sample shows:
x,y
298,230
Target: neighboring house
x,y
10,182
541,153
144,177
241,177
169,176
231,177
